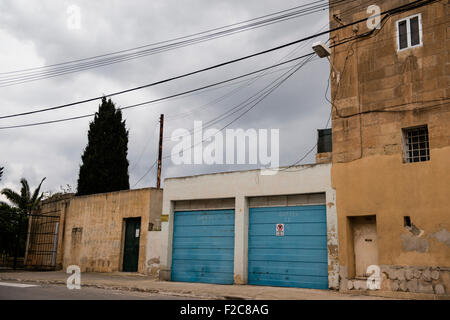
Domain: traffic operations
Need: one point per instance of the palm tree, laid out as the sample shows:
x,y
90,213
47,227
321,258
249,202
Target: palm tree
x,y
15,219
24,201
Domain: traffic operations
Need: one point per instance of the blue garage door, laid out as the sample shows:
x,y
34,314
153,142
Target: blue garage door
x,y
203,246
297,258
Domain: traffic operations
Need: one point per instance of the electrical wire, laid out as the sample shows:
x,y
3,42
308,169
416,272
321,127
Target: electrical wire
x,y
157,100
384,109
211,67
314,147
33,74
274,85
145,174
231,93
144,149
264,73
259,98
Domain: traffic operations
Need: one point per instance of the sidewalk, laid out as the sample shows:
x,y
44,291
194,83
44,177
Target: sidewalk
x,y
138,282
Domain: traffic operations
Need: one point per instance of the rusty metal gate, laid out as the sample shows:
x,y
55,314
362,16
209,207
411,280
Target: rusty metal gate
x,y
28,240
42,242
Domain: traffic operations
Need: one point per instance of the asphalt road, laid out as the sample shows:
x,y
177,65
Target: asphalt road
x,y
31,291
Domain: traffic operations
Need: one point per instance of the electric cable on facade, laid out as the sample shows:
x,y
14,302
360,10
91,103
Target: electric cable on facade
x,y
397,9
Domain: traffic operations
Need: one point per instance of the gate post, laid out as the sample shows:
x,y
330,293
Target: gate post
x,y
241,240
25,259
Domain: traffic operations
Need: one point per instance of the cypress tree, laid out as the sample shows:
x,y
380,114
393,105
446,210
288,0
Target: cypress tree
x,y
104,165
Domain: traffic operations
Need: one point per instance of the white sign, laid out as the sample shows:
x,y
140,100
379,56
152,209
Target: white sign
x,y
373,22
74,17
74,280
137,233
280,230
374,281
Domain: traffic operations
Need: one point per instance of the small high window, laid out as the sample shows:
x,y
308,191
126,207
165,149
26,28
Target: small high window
x,y
409,32
416,144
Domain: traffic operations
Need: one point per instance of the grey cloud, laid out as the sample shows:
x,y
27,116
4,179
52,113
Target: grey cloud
x,y
297,108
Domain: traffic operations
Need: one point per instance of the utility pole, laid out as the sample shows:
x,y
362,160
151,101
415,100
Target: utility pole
x,y
161,125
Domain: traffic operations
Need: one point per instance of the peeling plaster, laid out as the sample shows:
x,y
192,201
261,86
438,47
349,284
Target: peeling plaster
x,y
415,231
333,250
412,243
442,236
238,279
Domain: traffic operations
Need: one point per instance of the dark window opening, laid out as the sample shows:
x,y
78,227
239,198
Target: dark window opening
x,y
403,34
407,221
415,36
325,141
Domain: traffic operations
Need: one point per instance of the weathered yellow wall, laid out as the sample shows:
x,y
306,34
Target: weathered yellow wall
x,y
368,171
386,187
99,246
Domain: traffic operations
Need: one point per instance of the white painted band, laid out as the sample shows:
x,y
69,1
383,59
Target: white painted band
x,y
18,285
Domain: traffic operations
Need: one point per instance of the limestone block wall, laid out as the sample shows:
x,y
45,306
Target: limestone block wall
x,y
377,92
374,75
94,228
430,280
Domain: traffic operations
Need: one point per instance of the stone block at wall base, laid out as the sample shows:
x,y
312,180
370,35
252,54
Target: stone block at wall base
x,y
412,279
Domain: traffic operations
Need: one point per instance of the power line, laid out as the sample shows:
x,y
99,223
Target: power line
x,y
384,109
226,95
272,87
33,74
160,99
211,122
144,149
298,161
262,95
256,79
217,65
246,83
152,44
145,174
329,118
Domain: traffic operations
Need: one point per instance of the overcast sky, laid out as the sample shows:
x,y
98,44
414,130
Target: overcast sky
x,y
35,33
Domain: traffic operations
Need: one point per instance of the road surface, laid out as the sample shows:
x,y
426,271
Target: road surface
x,y
32,291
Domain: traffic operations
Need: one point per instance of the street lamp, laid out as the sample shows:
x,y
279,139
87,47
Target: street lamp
x,y
323,51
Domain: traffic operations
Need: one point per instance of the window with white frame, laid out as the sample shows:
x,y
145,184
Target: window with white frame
x,y
409,32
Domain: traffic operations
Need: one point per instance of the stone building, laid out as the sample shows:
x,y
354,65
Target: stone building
x,y
105,232
391,144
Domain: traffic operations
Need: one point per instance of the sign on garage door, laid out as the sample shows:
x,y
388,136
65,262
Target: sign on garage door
x,y
203,246
298,258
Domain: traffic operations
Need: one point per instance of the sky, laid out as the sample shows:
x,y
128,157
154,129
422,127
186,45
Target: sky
x,y
38,33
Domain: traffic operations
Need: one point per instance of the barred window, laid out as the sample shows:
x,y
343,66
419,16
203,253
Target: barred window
x,y
416,144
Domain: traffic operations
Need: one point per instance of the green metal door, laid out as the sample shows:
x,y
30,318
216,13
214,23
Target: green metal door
x,y
131,246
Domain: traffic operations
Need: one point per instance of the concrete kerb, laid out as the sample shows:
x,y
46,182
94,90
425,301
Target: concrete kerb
x,y
403,295
198,290
123,288
93,284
